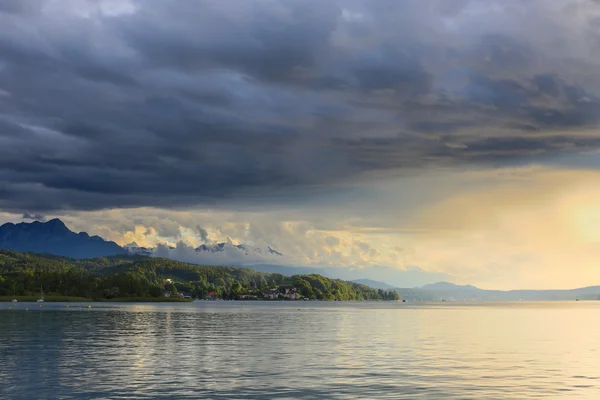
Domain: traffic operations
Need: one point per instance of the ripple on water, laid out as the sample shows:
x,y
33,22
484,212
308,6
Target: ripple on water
x,y
272,351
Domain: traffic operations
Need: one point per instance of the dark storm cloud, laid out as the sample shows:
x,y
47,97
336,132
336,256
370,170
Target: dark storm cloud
x,y
18,7
176,103
268,40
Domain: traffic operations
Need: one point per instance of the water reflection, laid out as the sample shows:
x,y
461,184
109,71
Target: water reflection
x,y
324,350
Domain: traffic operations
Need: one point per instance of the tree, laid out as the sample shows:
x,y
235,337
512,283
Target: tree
x,y
219,282
236,287
304,288
263,282
155,291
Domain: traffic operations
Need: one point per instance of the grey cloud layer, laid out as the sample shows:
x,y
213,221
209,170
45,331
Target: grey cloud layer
x,y
174,103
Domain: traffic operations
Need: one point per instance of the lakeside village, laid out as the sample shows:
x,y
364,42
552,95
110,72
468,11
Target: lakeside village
x,y
156,279
279,293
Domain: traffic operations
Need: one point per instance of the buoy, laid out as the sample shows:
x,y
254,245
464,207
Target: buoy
x,y
66,306
27,309
298,309
89,306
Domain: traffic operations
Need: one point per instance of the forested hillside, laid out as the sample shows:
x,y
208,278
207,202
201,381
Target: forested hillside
x,y
22,274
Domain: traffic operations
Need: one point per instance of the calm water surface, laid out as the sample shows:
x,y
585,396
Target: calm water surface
x,y
235,350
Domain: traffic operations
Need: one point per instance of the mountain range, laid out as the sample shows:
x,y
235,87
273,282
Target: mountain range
x,y
247,250
53,237
134,248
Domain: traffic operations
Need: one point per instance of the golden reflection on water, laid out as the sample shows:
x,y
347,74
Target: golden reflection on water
x,y
324,350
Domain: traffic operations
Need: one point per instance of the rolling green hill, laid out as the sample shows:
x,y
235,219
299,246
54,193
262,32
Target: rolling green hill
x,y
126,276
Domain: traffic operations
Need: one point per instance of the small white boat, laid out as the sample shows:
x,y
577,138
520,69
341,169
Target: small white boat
x,y
14,300
41,299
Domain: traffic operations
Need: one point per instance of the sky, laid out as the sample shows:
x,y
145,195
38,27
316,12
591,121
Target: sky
x,y
456,138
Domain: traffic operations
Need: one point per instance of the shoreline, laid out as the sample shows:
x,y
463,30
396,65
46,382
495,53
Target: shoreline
x,y
75,299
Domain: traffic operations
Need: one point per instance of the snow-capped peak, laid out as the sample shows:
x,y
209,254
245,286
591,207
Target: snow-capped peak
x,y
133,248
247,250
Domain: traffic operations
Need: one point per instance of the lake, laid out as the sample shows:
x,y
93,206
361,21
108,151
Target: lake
x,y
300,350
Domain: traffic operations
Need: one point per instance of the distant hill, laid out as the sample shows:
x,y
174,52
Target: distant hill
x,y
374,284
53,237
451,292
287,270
447,286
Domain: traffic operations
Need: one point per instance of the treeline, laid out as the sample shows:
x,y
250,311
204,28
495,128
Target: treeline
x,y
22,274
